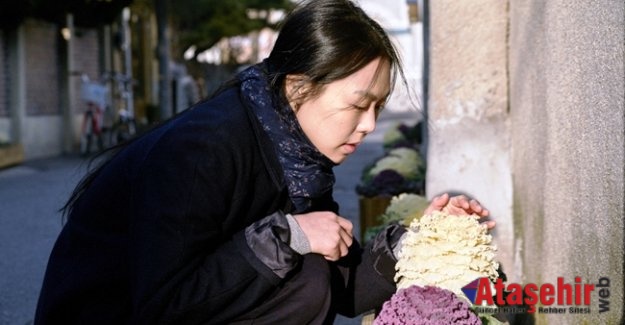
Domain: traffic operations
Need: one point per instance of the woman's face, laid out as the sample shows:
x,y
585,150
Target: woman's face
x,y
345,111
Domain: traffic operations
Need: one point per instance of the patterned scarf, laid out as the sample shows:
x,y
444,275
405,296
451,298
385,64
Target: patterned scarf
x,y
308,173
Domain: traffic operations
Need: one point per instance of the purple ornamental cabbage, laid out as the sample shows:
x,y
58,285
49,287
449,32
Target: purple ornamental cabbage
x,y
425,305
389,180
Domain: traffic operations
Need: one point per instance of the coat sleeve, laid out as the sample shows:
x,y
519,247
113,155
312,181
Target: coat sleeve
x,y
186,267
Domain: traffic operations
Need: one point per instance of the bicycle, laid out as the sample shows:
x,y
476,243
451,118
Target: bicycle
x,y
124,126
95,96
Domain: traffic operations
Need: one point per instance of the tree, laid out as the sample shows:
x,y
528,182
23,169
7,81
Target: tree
x,y
202,23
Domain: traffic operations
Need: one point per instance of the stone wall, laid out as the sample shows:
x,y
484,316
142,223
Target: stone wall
x,y
527,114
469,144
567,82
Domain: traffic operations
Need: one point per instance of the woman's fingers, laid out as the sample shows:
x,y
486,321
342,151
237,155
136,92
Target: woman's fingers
x,y
475,207
346,238
346,225
341,250
489,224
459,205
478,209
437,203
328,234
441,200
346,232
462,205
460,202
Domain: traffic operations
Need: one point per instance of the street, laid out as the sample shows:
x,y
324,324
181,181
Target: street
x,y
30,197
32,193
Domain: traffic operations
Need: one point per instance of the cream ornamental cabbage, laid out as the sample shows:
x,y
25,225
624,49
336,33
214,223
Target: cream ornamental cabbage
x,y
408,154
404,161
392,135
405,208
445,251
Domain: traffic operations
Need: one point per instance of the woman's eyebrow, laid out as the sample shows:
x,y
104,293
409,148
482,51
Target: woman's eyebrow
x,y
369,95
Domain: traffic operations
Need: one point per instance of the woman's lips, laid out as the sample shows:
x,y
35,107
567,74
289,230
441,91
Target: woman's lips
x,y
350,147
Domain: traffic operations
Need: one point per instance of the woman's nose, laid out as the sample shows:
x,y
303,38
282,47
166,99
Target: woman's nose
x,y
367,121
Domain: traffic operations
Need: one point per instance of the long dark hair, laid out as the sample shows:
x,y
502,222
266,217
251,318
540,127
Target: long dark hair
x,y
328,40
323,40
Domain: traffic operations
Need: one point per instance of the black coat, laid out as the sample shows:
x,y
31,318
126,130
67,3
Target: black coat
x,y
159,236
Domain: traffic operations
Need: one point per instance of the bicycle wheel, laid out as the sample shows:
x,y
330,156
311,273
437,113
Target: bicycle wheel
x,y
123,130
87,135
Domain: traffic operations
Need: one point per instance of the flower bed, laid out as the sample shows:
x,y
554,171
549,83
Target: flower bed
x,y
401,169
402,208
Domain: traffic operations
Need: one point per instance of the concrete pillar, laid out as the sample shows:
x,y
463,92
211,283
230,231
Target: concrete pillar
x,y
17,77
469,142
68,98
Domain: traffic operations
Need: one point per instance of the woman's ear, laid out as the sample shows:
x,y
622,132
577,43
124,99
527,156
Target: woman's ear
x,y
295,89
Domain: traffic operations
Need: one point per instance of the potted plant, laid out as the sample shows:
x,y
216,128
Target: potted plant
x,y
10,153
399,170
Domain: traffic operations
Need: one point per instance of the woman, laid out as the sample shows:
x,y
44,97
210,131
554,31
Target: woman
x,y
224,214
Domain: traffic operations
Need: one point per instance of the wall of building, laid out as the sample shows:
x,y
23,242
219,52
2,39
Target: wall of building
x,y
40,104
567,83
40,122
5,117
527,113
469,142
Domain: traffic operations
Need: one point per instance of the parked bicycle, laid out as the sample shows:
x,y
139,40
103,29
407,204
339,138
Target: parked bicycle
x,y
112,91
124,126
95,96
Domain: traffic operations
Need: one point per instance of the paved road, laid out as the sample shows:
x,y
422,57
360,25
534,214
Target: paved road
x,y
30,196
32,193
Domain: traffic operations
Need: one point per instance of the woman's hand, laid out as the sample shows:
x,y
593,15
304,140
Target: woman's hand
x,y
328,234
458,205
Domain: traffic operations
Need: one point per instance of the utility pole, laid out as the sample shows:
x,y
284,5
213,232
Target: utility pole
x,y
69,133
163,59
127,49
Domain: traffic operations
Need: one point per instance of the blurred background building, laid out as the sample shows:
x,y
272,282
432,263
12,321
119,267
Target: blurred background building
x,y
172,62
